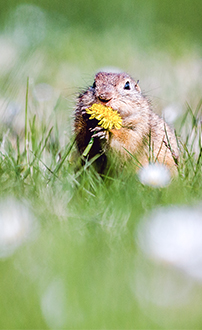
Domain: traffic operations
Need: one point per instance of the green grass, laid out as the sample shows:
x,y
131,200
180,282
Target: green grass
x,y
82,261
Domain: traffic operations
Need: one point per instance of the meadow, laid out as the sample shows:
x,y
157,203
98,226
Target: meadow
x,y
79,250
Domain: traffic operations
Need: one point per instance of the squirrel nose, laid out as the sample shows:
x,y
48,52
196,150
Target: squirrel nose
x,y
104,97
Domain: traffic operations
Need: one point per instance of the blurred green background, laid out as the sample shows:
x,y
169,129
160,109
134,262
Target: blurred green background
x,y
154,20
64,43
81,266
68,41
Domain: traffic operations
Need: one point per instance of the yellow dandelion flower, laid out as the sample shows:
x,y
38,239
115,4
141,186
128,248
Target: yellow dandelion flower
x,y
108,118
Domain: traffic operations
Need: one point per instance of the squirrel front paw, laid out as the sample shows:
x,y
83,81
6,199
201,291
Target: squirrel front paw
x,y
100,133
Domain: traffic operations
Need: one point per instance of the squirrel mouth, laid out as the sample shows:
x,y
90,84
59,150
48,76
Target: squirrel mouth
x,y
104,101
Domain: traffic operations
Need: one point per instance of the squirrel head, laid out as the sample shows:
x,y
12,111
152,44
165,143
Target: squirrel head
x,y
107,86
117,90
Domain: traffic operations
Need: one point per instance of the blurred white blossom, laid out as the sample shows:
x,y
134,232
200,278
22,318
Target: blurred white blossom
x,y
174,235
8,54
27,23
172,112
43,92
155,175
17,224
53,304
57,308
9,110
160,285
168,261
113,69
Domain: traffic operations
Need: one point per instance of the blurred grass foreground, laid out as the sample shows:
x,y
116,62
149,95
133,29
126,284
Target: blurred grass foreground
x,y
78,251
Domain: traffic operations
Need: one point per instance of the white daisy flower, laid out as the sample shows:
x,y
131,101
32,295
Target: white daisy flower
x,y
53,304
154,175
174,235
17,224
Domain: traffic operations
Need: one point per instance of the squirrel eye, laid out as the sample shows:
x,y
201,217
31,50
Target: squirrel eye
x,y
127,85
94,85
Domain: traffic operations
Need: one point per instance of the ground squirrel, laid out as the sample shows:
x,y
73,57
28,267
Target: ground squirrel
x,y
143,134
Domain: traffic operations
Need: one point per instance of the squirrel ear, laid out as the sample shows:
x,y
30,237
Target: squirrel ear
x,y
137,87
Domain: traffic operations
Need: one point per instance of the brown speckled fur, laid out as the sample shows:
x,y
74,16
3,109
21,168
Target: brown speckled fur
x,y
144,133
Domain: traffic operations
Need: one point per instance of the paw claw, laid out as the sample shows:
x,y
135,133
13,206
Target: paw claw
x,y
96,129
100,135
99,132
